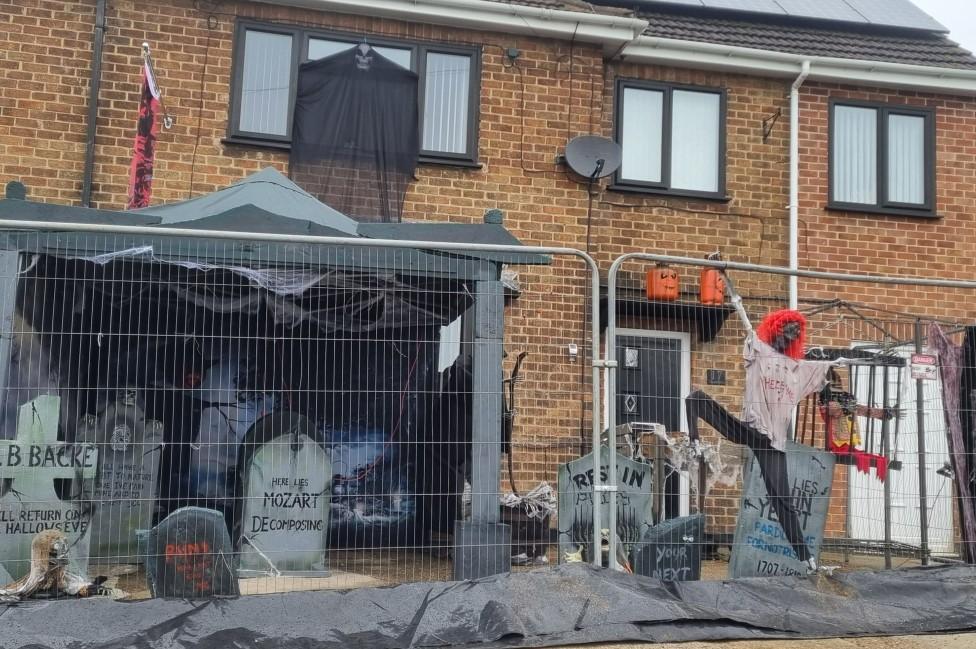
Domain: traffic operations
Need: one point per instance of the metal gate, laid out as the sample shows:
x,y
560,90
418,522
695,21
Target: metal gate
x,y
893,495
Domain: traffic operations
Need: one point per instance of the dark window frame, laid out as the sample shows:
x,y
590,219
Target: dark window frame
x,y
300,39
883,205
664,186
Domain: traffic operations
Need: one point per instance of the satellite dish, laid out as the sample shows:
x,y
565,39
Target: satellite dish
x,y
592,156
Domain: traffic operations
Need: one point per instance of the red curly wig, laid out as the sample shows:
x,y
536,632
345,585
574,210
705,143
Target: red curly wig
x,y
772,326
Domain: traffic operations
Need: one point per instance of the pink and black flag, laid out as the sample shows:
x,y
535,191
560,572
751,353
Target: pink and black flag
x,y
144,152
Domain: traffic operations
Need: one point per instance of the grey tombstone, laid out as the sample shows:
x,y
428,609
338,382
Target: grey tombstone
x,y
672,551
30,502
634,505
286,487
189,556
760,547
124,493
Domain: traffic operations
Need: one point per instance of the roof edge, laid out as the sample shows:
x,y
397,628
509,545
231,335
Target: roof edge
x,y
736,13
730,58
612,31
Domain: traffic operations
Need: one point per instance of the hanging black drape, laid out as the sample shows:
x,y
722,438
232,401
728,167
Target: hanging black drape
x,y
967,405
356,137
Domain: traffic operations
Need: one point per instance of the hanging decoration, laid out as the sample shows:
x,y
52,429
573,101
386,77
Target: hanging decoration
x,y
147,132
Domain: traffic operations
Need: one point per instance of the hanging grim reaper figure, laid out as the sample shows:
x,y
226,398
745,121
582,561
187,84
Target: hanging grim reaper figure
x,y
49,573
777,379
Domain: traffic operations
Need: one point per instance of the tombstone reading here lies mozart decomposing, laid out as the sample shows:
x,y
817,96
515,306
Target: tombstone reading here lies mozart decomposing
x,y
41,481
760,547
286,488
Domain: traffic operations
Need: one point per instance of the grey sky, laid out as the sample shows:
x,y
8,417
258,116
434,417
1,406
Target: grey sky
x,y
958,15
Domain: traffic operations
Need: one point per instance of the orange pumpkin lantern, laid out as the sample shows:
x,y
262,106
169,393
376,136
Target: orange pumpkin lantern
x,y
711,288
662,283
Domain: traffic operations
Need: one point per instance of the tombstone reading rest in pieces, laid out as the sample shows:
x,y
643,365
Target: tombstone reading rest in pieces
x,y
634,505
286,487
760,547
189,556
39,481
124,494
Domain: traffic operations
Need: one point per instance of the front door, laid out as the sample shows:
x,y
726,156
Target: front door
x,y
650,390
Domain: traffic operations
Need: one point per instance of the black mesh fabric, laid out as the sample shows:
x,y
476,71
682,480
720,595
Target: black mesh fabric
x,y
356,133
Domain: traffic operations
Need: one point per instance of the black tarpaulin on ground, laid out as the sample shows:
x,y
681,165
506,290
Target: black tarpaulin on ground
x,y
566,605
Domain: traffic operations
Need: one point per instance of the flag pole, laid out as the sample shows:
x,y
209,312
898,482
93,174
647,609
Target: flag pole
x,y
147,57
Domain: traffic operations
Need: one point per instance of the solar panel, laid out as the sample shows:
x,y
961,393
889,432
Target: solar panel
x,y
824,10
889,13
900,13
759,6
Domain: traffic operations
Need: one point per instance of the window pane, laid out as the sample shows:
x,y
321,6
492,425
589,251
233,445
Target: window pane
x,y
906,159
641,136
855,171
319,48
446,92
265,83
695,124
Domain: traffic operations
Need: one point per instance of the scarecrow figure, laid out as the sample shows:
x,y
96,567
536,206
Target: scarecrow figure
x,y
777,379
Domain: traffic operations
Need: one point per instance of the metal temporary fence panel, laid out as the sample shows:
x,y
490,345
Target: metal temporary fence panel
x,y
892,500
253,413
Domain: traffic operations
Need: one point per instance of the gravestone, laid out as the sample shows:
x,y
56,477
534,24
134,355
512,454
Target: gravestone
x,y
287,484
760,547
124,493
634,505
189,556
34,468
672,551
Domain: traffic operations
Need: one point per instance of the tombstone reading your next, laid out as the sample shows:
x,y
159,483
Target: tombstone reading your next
x,y
189,556
286,489
124,494
760,547
672,551
634,505
39,482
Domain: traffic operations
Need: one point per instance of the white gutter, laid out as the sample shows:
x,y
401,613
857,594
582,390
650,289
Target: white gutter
x,y
613,32
795,180
728,58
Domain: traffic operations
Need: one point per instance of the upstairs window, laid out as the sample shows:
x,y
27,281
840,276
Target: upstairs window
x,y
882,158
673,139
266,64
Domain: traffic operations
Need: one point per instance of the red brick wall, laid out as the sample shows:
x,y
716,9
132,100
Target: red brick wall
x,y
853,242
528,111
45,58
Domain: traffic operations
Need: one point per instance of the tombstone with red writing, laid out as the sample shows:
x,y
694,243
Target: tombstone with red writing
x,y
190,556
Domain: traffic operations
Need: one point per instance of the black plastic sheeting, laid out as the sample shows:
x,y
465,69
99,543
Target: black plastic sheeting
x,y
356,136
565,605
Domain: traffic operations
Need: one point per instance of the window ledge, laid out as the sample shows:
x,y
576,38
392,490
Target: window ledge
x,y
448,162
672,193
247,141
883,211
286,146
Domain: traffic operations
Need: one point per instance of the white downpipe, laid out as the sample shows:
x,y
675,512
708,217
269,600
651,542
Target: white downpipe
x,y
795,180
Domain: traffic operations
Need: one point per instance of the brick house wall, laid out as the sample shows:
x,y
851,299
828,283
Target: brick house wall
x,y
529,110
938,247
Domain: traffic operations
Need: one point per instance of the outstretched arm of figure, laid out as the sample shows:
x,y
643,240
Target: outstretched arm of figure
x,y
736,300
